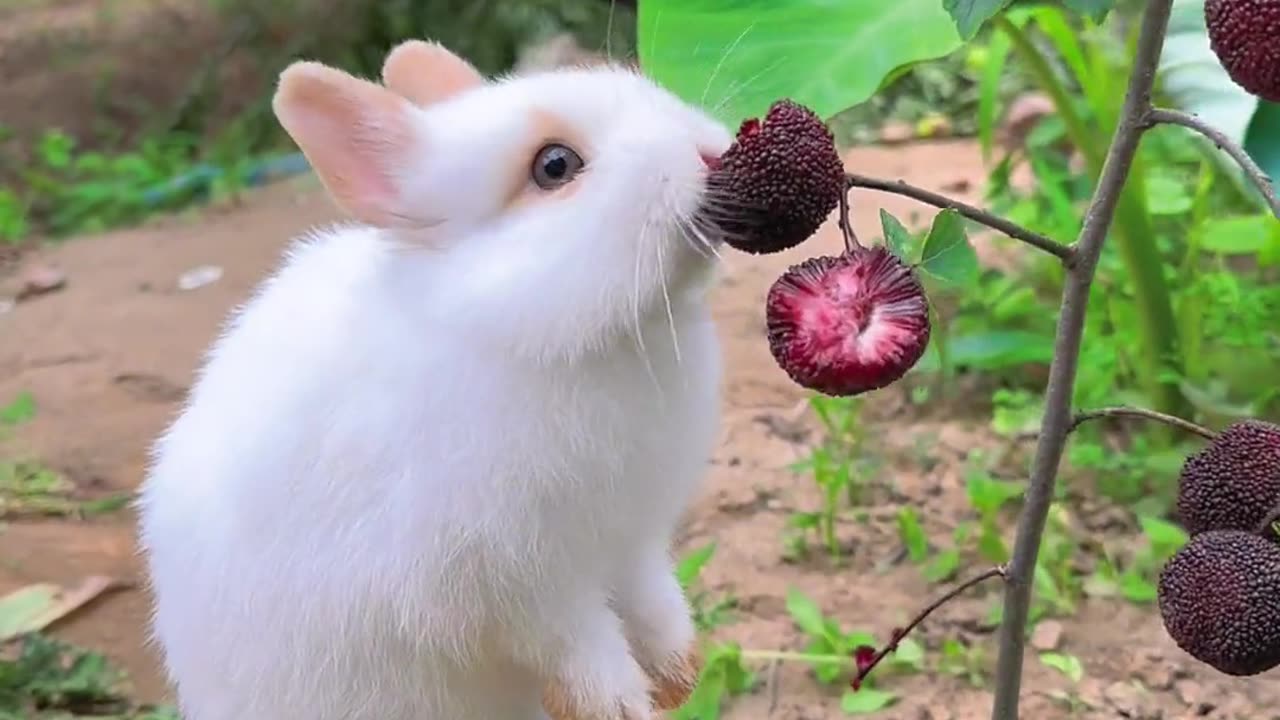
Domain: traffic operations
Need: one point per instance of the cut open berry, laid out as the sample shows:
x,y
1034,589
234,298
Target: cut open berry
x,y
848,324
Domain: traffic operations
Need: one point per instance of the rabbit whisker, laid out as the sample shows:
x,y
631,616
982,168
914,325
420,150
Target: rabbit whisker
x,y
723,58
671,318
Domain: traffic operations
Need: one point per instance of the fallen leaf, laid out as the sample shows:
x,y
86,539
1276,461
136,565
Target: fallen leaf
x,y
36,607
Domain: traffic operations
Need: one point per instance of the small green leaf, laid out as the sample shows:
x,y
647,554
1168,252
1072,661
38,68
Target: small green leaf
x,y
806,614
944,566
969,15
1068,665
1095,10
896,236
913,535
909,654
1239,234
19,410
947,253
1136,588
1164,535
691,565
866,700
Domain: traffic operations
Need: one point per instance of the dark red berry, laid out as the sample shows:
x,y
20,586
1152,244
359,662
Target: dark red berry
x,y
778,182
1245,35
1234,482
1219,598
848,324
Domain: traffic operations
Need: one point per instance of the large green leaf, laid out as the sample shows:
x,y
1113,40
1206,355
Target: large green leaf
x,y
969,15
735,57
1193,79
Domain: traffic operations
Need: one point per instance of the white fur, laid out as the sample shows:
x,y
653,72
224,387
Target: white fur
x,y
421,472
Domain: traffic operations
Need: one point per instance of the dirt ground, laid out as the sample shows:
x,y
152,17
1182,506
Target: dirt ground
x,y
109,357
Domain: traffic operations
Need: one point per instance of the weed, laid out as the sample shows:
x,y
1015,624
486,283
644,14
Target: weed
x,y
46,679
28,487
708,612
841,467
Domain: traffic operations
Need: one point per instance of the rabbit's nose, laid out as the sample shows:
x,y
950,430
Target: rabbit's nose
x,y
710,159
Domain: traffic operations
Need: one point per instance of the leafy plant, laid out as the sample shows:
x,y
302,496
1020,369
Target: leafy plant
x,y
1118,190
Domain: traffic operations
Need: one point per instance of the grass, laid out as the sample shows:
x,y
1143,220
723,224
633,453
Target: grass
x,y
45,679
29,488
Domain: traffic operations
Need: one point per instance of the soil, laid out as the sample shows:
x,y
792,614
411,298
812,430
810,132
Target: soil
x,y
109,356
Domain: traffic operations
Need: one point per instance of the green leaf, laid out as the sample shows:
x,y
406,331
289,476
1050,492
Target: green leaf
x,y
1167,195
806,614
1262,140
969,15
1165,536
1136,588
19,410
896,236
913,535
735,57
909,654
1068,665
691,565
947,254
944,565
866,700
1095,10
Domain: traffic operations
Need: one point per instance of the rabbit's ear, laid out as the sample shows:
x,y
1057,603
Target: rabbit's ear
x,y
427,72
358,136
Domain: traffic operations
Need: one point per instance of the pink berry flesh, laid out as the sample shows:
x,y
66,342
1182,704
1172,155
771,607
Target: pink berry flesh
x,y
848,324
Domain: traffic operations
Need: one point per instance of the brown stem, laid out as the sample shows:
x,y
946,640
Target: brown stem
x,y
865,668
1133,412
1224,143
846,226
1056,423
978,215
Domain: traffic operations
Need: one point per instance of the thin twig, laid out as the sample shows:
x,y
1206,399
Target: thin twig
x,y
1134,412
846,225
1225,144
865,668
1056,423
978,215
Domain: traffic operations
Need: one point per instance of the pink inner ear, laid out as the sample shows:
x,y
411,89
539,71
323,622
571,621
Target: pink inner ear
x,y
356,135
427,73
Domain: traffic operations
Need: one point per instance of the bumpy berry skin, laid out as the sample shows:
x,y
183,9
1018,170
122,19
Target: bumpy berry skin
x,y
848,324
1245,35
1219,597
1233,483
778,181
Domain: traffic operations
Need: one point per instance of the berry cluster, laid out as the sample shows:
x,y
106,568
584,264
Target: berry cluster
x,y
839,325
1219,595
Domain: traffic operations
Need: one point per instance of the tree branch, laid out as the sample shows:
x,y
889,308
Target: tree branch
x,y
1259,178
1056,424
978,215
866,658
1133,412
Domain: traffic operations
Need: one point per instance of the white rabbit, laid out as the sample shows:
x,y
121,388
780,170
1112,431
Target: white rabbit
x,y
432,469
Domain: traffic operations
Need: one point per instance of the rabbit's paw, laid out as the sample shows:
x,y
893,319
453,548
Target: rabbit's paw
x,y
595,676
660,627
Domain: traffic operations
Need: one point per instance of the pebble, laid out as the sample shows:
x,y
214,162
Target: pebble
x,y
199,277
1047,635
40,280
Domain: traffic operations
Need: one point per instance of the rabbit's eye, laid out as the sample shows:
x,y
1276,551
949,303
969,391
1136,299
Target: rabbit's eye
x,y
555,165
